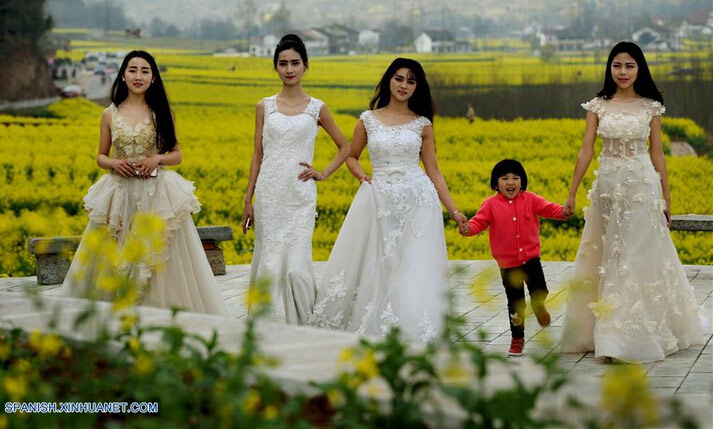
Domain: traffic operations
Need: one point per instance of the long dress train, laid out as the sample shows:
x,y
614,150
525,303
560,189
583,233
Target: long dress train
x,y
389,266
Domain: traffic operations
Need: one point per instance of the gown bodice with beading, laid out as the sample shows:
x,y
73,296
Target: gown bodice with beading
x,y
132,143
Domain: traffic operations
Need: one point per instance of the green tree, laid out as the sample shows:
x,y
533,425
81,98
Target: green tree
x,y
22,23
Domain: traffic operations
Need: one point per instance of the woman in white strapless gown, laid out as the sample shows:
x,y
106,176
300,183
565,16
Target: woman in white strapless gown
x,y
283,182
389,265
630,298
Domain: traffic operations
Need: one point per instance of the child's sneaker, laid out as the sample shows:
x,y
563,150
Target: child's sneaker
x,y
516,345
541,313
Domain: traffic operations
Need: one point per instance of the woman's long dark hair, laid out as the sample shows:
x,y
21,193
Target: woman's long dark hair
x,y
643,85
155,97
420,102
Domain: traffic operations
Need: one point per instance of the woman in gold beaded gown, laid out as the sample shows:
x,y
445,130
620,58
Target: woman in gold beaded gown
x,y
139,126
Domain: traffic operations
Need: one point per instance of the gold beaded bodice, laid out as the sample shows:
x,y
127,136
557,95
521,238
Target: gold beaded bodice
x,y
132,143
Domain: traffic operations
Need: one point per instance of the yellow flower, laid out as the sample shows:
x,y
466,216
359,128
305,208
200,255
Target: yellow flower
x,y
143,365
251,402
108,283
3,422
346,355
336,397
134,344
600,309
455,374
128,321
22,365
4,351
270,412
126,301
545,339
66,352
148,225
353,381
16,387
627,396
46,344
479,288
134,251
256,298
367,365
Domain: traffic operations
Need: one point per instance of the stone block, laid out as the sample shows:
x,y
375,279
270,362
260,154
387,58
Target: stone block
x,y
692,222
53,253
216,261
52,268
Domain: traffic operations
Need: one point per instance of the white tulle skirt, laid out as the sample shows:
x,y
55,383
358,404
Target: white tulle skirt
x,y
388,266
184,278
630,298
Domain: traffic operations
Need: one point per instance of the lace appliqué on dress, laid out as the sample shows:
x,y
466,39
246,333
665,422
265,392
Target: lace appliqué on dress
x,y
398,178
337,289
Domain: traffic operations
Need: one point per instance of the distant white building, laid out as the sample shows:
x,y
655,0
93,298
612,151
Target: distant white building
x,y
264,47
656,38
369,40
316,42
463,46
437,41
697,25
465,33
566,39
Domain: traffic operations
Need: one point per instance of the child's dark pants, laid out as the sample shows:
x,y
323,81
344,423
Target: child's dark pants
x,y
514,280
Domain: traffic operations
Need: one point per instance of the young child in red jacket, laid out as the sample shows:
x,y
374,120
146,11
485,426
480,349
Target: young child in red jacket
x,y
512,215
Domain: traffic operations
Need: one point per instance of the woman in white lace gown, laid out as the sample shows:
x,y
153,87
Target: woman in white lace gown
x,y
138,127
630,298
389,266
282,180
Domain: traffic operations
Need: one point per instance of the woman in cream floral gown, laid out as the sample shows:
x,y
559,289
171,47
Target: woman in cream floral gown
x,y
630,298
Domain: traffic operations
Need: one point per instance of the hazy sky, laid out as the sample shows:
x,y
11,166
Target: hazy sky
x,y
372,13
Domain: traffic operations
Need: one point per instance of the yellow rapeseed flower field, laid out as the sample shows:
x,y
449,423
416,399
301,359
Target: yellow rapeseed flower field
x,y
47,164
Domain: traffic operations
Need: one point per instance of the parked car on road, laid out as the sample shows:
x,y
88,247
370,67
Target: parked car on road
x,y
72,91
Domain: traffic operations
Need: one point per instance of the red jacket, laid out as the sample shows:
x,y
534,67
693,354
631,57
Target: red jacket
x,y
514,226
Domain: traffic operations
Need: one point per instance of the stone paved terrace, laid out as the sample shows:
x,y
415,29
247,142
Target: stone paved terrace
x,y
687,374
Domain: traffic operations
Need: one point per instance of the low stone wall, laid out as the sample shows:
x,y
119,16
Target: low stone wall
x,y
52,253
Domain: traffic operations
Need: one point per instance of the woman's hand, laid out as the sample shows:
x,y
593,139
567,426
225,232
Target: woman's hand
x,y
146,166
366,179
247,217
310,173
667,212
123,168
462,222
464,230
568,208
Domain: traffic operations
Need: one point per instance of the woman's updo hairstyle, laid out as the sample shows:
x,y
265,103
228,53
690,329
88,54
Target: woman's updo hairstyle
x,y
291,41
